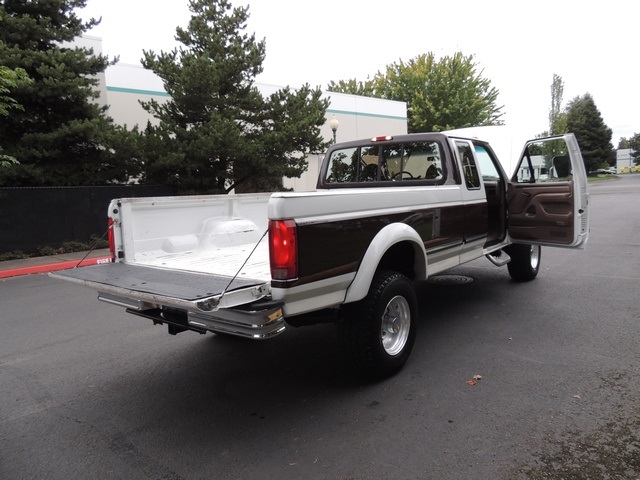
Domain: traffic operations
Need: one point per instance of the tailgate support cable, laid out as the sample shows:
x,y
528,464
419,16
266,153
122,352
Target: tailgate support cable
x,y
242,266
93,246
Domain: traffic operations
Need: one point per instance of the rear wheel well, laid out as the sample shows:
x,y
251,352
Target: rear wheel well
x,y
399,258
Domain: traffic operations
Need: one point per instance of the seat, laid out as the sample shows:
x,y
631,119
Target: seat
x,y
431,173
562,166
369,173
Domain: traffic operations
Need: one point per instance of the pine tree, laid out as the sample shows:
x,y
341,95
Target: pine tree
x,y
594,137
61,136
217,132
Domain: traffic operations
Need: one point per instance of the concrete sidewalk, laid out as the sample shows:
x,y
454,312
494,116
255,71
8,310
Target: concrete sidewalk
x,y
28,266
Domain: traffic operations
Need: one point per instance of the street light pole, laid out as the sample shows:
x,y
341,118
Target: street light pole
x,y
334,124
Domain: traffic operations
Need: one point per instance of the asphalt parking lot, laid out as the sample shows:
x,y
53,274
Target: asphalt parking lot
x,y
89,391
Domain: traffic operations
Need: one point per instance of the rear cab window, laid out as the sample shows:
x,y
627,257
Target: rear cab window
x,y
391,163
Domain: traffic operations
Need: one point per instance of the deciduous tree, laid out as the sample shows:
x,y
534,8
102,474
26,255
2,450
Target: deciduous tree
x,y
354,87
557,117
440,94
9,80
623,143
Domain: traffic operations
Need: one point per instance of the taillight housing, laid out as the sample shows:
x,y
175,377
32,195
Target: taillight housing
x,y
283,249
112,239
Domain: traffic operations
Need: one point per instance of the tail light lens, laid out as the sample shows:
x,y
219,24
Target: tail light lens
x,y
283,249
382,138
112,239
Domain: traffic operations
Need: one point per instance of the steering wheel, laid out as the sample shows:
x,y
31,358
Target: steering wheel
x,y
400,174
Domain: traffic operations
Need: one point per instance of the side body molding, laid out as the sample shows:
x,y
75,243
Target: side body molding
x,y
385,239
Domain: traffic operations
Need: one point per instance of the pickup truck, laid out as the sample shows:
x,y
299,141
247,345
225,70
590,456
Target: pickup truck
x,y
387,212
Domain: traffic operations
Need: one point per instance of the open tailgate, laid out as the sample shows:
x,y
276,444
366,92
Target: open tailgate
x,y
196,292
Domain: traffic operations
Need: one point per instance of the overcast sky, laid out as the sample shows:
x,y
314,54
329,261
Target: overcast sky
x,y
518,45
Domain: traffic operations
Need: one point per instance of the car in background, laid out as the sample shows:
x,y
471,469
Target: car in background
x,y
604,171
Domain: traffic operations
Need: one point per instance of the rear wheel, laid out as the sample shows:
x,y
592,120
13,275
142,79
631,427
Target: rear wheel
x,y
525,261
378,332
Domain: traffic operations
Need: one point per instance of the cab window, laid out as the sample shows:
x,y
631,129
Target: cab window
x,y
469,167
544,161
398,162
343,166
369,158
487,165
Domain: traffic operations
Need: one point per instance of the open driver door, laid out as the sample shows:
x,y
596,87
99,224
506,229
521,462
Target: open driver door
x,y
547,198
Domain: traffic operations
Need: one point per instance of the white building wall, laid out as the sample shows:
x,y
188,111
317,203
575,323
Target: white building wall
x,y
624,160
127,86
358,117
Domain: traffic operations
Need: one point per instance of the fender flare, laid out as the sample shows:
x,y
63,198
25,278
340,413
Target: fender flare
x,y
385,239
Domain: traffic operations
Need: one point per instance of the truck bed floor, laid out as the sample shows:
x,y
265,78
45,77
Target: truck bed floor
x,y
171,283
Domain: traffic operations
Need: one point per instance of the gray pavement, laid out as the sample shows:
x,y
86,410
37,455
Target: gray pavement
x,y
89,391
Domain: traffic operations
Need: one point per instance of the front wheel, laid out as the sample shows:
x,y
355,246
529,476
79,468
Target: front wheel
x,y
378,332
525,261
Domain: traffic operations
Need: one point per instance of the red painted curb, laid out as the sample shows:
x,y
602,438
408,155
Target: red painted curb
x,y
52,267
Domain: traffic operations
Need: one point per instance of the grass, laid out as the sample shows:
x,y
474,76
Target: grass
x,y
598,178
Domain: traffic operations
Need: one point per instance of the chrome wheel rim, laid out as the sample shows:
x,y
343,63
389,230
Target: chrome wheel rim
x,y
396,323
535,256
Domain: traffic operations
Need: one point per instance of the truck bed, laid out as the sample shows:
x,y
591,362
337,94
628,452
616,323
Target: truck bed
x,y
226,262
194,280
196,253
187,286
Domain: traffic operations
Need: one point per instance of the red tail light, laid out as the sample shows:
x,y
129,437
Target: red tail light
x,y
112,239
283,249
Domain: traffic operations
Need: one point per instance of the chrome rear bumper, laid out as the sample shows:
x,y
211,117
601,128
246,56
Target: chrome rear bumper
x,y
259,320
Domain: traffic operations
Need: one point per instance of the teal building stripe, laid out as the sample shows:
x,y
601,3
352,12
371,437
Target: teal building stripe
x,y
362,114
329,110
137,91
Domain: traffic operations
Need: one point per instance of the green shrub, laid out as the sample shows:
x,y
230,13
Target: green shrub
x,y
15,255
97,242
68,246
73,246
46,251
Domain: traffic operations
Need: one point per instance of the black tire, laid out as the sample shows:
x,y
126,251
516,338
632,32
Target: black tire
x,y
525,261
372,347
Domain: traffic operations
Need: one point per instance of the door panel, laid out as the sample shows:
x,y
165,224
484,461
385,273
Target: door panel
x,y
547,197
542,213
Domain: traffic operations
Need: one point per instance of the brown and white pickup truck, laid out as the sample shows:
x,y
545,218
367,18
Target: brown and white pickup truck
x,y
387,212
